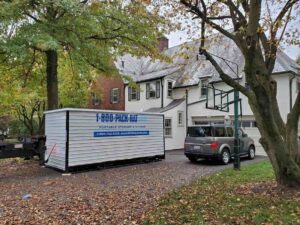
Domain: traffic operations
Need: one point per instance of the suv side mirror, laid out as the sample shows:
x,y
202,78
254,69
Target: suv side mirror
x,y
245,135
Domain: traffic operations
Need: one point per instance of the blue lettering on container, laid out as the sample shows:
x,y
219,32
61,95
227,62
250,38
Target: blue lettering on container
x,y
118,117
120,133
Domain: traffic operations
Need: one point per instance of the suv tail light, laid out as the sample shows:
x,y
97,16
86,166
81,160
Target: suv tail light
x,y
214,145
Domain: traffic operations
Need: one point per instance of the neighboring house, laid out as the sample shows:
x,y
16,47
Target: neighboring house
x,y
107,93
179,89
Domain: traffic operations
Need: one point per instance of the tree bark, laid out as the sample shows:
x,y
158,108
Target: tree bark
x,y
52,84
277,138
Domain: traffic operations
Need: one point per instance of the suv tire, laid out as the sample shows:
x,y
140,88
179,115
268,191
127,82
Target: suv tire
x,y
225,157
251,152
193,159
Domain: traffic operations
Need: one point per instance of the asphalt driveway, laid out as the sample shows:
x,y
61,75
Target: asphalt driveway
x,y
117,195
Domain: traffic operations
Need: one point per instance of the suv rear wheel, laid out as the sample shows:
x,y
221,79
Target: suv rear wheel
x,y
193,159
251,152
225,157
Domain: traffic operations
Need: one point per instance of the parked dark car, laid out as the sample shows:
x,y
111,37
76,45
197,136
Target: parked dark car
x,y
216,142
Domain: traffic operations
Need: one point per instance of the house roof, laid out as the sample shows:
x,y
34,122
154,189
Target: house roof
x,y
188,69
172,105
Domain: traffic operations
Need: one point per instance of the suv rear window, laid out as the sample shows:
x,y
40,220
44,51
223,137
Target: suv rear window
x,y
200,131
220,132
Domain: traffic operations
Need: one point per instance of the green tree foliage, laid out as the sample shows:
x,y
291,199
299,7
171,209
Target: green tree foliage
x,y
90,33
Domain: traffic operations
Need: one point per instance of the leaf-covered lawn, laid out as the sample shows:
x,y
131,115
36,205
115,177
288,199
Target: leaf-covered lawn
x,y
249,196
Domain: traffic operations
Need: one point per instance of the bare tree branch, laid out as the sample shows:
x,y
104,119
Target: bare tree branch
x,y
195,10
32,17
282,13
225,77
218,17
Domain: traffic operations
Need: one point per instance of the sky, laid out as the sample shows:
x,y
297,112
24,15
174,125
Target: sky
x,y
179,37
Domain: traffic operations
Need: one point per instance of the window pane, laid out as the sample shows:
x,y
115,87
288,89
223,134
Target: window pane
x,y
180,118
199,131
229,132
168,127
152,90
220,132
246,123
115,95
133,94
203,91
170,88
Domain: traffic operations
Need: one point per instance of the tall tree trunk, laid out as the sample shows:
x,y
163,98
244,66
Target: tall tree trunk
x,y
286,165
278,139
52,84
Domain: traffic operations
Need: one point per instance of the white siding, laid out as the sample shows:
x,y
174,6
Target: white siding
x,y
176,141
55,131
84,148
142,104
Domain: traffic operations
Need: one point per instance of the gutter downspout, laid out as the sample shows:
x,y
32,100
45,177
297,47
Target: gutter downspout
x,y
291,91
162,92
186,109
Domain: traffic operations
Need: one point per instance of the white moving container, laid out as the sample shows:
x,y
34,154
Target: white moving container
x,y
77,137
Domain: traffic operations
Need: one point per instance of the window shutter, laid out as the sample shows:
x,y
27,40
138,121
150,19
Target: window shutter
x,y
111,96
158,89
147,91
138,93
129,93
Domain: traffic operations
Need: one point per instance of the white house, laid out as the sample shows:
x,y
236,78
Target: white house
x,y
179,89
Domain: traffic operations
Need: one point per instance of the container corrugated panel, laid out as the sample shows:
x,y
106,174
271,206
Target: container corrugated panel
x,y
55,130
76,137
94,141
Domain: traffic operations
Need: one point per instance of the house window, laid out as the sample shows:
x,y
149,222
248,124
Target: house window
x,y
180,118
170,89
168,127
134,93
114,95
153,90
95,99
247,123
204,84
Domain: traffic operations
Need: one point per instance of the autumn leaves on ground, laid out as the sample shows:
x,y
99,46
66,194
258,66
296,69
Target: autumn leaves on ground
x,y
250,196
152,193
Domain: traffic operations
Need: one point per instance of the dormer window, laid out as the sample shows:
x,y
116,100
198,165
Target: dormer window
x,y
153,89
204,84
170,89
123,64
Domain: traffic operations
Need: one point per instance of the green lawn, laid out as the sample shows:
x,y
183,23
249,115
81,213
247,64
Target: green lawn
x,y
215,199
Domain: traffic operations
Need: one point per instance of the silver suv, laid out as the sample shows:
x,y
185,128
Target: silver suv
x,y
216,142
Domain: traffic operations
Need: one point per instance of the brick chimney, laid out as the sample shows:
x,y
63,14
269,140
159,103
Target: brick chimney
x,y
163,43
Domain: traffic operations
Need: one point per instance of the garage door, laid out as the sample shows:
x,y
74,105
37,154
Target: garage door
x,y
255,135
